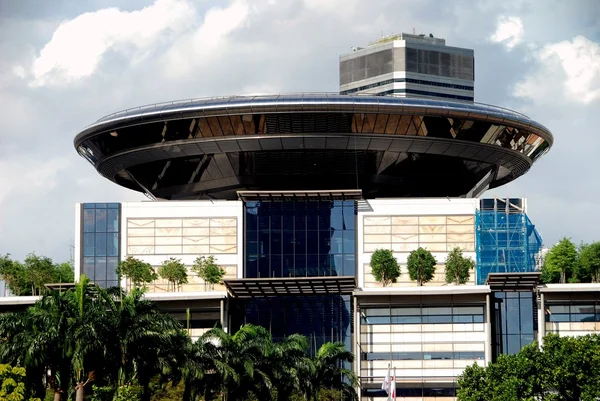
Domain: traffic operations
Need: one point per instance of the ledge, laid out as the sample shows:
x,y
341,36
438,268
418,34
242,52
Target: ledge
x,y
263,287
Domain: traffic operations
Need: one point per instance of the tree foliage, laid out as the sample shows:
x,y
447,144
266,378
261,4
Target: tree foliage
x,y
421,266
103,345
88,336
458,268
30,277
174,272
139,272
561,262
207,269
588,268
565,369
12,387
384,267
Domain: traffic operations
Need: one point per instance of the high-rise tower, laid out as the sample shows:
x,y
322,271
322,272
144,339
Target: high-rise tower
x,y
408,65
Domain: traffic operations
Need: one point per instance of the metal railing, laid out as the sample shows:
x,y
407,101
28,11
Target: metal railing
x,y
308,95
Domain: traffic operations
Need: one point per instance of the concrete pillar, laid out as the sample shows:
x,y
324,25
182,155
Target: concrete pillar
x,y
222,316
541,320
488,328
356,343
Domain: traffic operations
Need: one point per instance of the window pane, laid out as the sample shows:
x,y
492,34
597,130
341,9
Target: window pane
x,y
89,242
111,268
349,242
100,270
100,220
89,220
112,244
112,220
349,217
100,244
88,267
349,265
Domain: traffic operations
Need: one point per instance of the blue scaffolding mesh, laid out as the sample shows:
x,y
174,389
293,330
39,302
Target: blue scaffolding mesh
x,y
507,242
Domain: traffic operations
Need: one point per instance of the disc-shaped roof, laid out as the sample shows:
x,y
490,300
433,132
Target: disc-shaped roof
x,y
386,146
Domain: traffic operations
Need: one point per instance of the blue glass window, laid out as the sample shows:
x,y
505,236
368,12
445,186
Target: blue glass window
x,y
100,220
100,242
112,220
321,318
112,244
89,220
513,323
300,238
89,242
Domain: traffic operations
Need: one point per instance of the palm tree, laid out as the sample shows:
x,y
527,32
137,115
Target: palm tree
x,y
206,372
35,340
16,337
329,372
290,365
90,335
149,343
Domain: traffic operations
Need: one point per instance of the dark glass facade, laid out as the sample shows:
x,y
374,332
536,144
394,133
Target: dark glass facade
x,y
300,239
321,318
100,237
573,311
514,325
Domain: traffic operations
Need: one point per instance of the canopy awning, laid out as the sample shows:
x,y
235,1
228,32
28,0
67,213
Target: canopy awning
x,y
513,281
341,194
264,287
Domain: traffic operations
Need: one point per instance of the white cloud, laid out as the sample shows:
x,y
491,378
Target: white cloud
x,y
570,67
336,7
78,45
202,45
30,174
509,31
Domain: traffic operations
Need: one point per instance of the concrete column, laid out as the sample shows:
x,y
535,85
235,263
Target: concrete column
x,y
488,328
356,343
226,315
223,324
541,320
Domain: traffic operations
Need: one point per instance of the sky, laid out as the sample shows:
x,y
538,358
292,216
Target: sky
x,y
64,64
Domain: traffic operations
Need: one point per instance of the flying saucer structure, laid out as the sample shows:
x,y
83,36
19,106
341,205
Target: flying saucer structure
x,y
385,146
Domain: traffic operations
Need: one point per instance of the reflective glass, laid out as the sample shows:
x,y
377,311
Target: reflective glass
x,y
89,243
111,268
112,220
320,318
100,244
88,267
100,237
100,270
100,220
112,244
300,238
89,220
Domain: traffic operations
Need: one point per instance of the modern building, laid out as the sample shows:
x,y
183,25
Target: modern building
x,y
293,193
408,65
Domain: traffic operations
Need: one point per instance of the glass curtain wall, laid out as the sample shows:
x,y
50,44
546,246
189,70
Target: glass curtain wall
x,y
101,242
514,323
321,318
300,239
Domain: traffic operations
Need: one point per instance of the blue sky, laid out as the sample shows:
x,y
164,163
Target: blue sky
x,y
65,64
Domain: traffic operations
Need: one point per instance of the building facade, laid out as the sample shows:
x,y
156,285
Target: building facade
x,y
408,65
285,259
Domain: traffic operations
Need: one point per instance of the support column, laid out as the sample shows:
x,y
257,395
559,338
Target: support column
x,y
222,315
488,329
226,317
541,321
356,343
